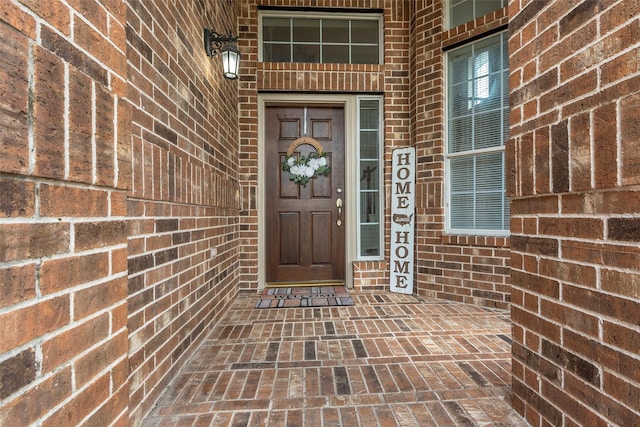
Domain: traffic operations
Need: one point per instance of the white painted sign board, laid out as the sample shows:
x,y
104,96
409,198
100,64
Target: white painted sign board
x,y
403,219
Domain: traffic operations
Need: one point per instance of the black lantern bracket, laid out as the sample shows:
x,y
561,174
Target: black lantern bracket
x,y
213,41
216,43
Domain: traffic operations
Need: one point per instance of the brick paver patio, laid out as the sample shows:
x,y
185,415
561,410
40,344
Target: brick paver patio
x,y
389,360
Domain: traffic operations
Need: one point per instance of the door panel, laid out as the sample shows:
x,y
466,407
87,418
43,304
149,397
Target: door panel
x,y
290,233
321,241
304,240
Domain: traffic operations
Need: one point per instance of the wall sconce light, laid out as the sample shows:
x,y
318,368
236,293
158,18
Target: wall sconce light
x,y
215,43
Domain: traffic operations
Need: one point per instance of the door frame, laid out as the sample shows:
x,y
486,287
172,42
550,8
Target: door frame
x,y
349,103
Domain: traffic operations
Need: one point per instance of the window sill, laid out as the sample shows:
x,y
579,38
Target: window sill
x,y
318,67
470,240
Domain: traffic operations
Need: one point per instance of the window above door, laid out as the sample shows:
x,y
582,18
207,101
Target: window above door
x,y
320,38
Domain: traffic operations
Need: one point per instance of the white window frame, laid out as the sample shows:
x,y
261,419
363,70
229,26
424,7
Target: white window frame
x,y
322,15
470,153
380,176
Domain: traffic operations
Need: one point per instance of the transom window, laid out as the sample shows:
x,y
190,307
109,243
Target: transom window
x,y
477,127
461,11
320,38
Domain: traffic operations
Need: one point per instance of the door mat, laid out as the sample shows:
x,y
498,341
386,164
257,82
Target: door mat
x,y
312,296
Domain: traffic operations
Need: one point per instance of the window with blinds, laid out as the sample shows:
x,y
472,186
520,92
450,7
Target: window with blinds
x,y
320,38
462,11
477,127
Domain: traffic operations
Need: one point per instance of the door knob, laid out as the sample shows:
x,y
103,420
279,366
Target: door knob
x,y
339,205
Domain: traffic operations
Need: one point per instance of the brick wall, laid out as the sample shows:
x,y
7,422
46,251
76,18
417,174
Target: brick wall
x,y
184,201
471,269
63,234
467,268
119,203
128,214
574,175
393,77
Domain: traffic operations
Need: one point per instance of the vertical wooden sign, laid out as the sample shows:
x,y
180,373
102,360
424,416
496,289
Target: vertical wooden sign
x,y
402,219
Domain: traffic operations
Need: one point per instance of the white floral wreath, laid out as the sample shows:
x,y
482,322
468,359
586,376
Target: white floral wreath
x,y
303,169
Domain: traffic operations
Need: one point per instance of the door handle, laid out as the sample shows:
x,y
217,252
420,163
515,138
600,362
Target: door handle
x,y
339,205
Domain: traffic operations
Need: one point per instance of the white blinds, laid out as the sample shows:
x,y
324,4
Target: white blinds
x,y
477,119
476,188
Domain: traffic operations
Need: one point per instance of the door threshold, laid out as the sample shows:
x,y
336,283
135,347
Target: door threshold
x,y
305,284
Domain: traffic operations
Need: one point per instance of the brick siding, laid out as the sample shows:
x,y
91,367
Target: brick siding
x,y
466,268
119,177
318,78
573,164
184,201
462,268
129,180
63,233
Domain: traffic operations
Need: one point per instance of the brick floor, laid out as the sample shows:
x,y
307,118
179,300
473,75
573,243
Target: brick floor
x,y
389,360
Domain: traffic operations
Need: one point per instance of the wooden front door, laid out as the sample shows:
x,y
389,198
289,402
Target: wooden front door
x,y
305,228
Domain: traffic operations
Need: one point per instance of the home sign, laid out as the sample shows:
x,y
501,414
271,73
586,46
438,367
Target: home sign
x,y
402,219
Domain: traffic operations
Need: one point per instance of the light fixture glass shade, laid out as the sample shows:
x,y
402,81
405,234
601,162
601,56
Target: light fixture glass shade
x,y
230,61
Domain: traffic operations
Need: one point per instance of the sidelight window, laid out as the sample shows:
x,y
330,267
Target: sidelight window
x,y
370,168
